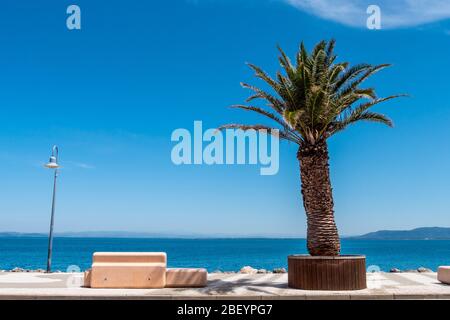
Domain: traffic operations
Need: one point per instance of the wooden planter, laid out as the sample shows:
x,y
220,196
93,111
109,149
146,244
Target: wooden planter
x,y
327,273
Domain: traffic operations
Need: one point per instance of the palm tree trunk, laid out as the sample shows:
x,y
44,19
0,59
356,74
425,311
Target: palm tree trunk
x,y
322,235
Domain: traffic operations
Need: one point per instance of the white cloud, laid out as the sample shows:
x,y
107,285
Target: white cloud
x,y
394,13
80,165
84,166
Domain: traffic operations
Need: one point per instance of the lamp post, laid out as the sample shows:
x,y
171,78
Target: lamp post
x,y
52,164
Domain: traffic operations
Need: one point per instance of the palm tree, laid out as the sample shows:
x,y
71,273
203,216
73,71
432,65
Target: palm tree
x,y
315,98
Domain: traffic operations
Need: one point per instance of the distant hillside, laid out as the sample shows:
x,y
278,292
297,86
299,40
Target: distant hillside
x,y
433,233
99,234
20,234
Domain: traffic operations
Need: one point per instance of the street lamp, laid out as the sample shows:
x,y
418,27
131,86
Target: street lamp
x,y
52,164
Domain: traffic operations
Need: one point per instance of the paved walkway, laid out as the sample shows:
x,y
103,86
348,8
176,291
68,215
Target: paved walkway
x,y
222,286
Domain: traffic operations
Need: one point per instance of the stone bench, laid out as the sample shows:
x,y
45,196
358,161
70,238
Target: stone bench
x,y
444,274
128,270
140,270
186,278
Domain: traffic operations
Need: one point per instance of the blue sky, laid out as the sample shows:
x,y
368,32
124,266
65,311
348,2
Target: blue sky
x,y
111,94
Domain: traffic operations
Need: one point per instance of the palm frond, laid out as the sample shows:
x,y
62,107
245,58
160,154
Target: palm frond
x,y
364,76
264,76
274,102
350,74
272,131
264,113
364,116
361,113
365,106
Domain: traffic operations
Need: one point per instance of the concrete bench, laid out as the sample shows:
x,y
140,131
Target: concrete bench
x,y
186,278
444,274
140,270
128,270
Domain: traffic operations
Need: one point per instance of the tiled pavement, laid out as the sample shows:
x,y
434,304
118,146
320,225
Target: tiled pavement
x,y
222,286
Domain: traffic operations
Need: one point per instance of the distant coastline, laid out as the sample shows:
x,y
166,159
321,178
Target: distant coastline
x,y
144,235
430,233
426,233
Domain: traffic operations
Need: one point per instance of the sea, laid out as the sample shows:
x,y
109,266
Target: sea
x,y
72,254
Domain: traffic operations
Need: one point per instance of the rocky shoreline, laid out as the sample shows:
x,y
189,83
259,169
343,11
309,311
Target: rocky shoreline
x,y
419,270
243,270
17,269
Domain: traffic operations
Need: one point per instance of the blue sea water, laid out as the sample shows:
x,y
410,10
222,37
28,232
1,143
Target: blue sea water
x,y
217,254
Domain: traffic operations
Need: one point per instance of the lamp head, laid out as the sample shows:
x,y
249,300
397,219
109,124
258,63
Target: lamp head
x,y
52,164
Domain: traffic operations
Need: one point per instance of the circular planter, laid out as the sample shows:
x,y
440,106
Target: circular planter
x,y
347,272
